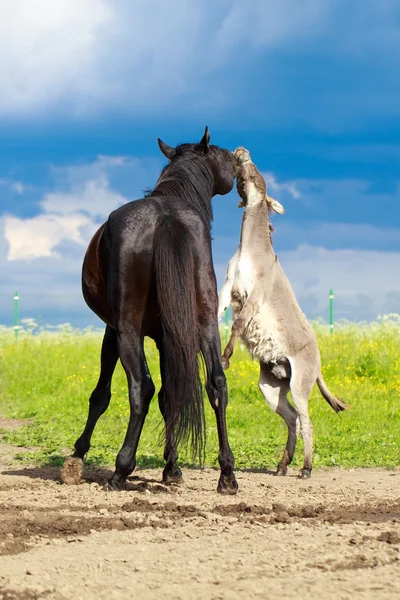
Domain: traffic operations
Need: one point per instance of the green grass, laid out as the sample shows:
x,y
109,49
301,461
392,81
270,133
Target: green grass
x,y
48,378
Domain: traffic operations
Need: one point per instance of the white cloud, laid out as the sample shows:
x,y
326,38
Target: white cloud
x,y
271,23
289,234
97,52
15,186
95,198
362,280
18,187
276,186
345,270
37,237
49,286
48,49
86,56
338,201
82,201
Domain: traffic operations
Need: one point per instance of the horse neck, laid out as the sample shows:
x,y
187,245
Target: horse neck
x,y
193,183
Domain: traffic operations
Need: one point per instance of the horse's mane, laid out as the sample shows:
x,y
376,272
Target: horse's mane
x,y
188,176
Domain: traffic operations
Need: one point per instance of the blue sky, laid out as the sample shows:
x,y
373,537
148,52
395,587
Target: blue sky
x,y
311,88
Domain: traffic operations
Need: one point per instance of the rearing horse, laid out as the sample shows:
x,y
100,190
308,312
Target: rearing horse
x,y
148,271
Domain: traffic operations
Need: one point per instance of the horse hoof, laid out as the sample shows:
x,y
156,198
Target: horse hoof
x,y
114,486
72,471
281,471
225,363
305,474
172,476
227,485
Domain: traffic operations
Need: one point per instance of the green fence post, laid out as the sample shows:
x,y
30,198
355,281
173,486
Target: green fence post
x,y
331,310
16,327
226,326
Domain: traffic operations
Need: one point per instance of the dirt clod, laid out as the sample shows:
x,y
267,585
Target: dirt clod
x,y
72,471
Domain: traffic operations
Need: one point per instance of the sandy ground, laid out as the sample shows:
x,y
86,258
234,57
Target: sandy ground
x,y
336,535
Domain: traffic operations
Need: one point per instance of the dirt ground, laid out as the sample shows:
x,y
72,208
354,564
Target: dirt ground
x,y
335,536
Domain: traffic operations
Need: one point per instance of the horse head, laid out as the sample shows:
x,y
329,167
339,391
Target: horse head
x,y
221,161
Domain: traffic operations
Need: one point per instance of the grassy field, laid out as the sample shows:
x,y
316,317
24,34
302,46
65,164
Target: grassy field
x,y
47,379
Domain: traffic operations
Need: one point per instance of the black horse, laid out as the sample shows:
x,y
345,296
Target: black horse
x,y
148,271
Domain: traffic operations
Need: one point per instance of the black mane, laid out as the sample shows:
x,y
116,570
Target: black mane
x,y
188,176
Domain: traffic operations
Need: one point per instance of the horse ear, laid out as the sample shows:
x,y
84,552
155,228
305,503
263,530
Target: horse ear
x,y
168,151
205,140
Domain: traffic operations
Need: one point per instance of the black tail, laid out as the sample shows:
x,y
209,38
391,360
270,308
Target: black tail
x,y
176,293
337,404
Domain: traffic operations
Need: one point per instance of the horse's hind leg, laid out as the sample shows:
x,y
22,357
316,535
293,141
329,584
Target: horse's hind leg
x,y
171,473
141,390
275,392
218,395
98,403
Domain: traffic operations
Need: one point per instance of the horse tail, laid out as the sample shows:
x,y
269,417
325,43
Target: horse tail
x,y
336,403
176,294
